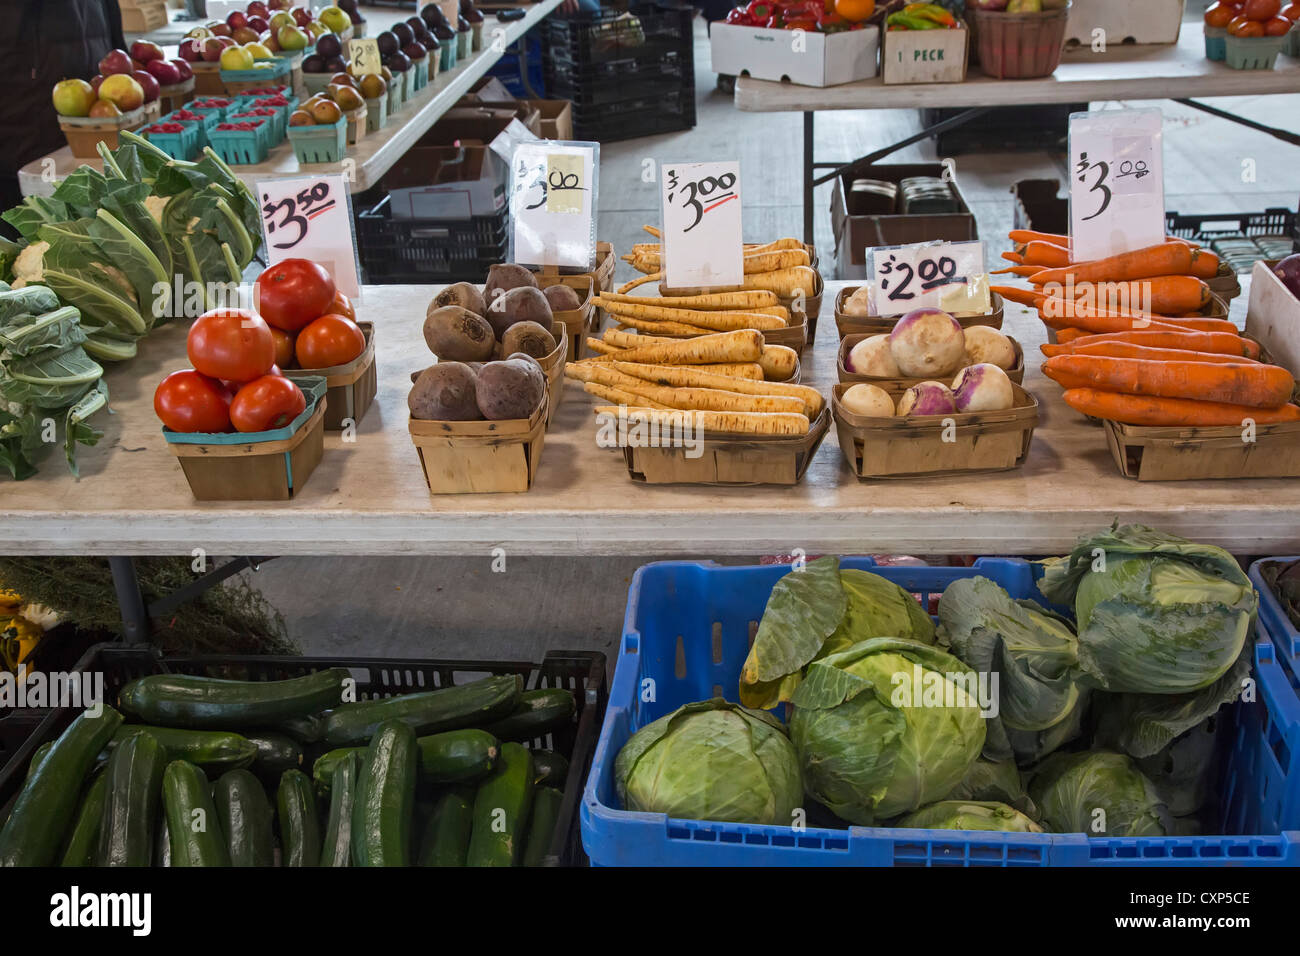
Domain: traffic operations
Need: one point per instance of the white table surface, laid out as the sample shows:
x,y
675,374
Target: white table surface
x,y
369,497
376,152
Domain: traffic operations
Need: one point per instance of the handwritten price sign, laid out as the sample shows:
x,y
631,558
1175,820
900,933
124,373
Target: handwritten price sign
x,y
309,219
553,203
701,242
1117,192
364,57
935,276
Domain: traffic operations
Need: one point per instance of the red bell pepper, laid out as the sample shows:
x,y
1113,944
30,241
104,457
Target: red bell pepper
x,y
833,23
806,24
739,17
760,11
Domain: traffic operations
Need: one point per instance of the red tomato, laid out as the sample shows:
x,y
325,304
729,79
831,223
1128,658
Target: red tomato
x,y
1292,12
291,293
1241,27
189,401
1261,9
1277,27
271,401
330,340
341,305
283,347
232,344
1220,15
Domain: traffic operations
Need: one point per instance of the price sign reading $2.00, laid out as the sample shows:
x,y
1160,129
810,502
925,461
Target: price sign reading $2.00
x,y
552,203
309,219
1117,182
935,276
364,57
701,243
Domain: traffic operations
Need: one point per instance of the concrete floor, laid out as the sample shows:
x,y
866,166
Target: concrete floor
x,y
458,608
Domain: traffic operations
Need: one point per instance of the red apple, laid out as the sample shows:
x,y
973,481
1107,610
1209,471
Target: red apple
x,y
212,48
219,29
236,20
191,50
301,16
124,91
183,68
115,61
279,4
244,35
95,81
260,24
258,9
148,82
164,71
227,42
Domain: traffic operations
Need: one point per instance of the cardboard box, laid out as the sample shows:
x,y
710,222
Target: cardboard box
x,y
1038,207
459,169
1123,21
808,59
525,111
548,119
925,56
854,234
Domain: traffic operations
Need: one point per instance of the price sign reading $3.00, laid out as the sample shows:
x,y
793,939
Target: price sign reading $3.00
x,y
701,243
1117,191
552,203
309,219
935,276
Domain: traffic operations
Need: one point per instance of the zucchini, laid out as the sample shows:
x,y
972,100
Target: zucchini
x,y
457,756
299,825
337,850
245,817
37,756
162,842
538,713
276,753
463,705
322,771
212,751
549,768
501,809
47,804
185,700
135,773
305,730
446,836
381,817
541,831
83,838
193,830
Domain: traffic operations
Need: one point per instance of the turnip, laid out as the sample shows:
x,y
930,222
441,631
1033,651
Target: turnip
x,y
859,303
868,401
984,344
872,356
927,342
982,388
927,398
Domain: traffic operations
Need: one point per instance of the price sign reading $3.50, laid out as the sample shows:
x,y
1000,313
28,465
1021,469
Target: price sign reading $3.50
x,y
1117,194
935,276
701,243
309,219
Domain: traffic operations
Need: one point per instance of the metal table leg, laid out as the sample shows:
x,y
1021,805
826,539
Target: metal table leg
x,y
809,172
135,620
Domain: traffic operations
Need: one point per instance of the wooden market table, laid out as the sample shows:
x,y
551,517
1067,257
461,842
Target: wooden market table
x,y
1177,71
368,496
376,153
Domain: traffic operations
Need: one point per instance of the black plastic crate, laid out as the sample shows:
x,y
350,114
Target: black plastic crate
x,y
645,31
582,672
396,249
622,126
1005,129
1208,227
616,95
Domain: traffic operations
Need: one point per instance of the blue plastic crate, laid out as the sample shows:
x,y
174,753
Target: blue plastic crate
x,y
688,627
241,146
1273,618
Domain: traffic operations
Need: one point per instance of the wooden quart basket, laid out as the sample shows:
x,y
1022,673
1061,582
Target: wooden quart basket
x,y
1150,453
875,324
915,447
602,278
262,466
1015,373
577,322
730,459
480,457
352,387
553,366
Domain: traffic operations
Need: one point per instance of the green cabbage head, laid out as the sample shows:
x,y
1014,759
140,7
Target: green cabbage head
x,y
969,815
870,748
712,760
1098,793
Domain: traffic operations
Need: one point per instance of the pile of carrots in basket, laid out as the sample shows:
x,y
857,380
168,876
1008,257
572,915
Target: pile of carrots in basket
x,y
1133,344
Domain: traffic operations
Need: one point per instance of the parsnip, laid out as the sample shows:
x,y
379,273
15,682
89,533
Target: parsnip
x,y
652,325
694,376
784,282
750,300
716,321
618,395
778,362
744,423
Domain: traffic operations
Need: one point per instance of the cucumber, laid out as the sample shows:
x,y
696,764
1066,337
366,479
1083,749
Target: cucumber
x,y
184,700
83,838
501,809
381,817
276,753
37,756
538,713
457,756
47,804
305,730
446,836
322,771
213,751
541,831
464,705
135,773
193,830
337,850
162,841
245,817
299,825
549,768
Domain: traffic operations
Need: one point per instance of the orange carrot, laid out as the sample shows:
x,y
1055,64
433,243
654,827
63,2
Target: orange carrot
x,y
1166,293
1016,294
1023,271
1256,385
1228,344
1205,264
1199,324
1046,254
1165,259
1097,323
1129,350
1149,410
1070,335
1029,235
1015,257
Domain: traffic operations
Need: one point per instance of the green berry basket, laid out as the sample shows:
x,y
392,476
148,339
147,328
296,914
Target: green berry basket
x,y
464,40
448,56
1253,53
241,81
272,130
320,144
316,82
1292,45
420,73
1216,46
242,147
376,113
183,145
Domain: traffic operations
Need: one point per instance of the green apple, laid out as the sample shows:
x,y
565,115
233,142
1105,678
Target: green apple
x,y
258,51
281,19
291,38
73,97
334,18
237,58
316,29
